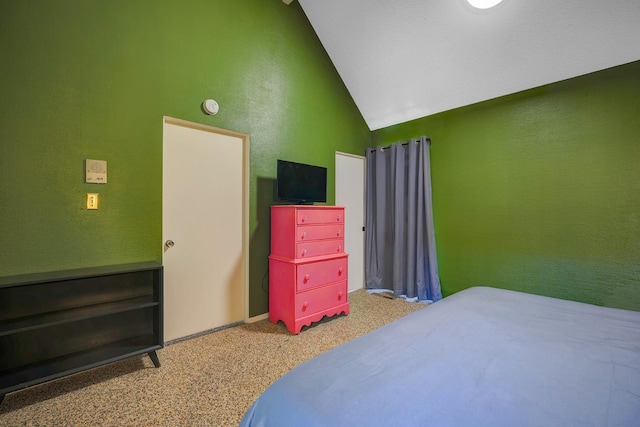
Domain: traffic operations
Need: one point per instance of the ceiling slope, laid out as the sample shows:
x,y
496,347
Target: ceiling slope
x,y
402,60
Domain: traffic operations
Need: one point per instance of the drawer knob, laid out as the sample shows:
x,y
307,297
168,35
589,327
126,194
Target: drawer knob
x,y
304,252
338,232
305,305
304,234
304,218
306,278
340,271
339,216
339,248
340,294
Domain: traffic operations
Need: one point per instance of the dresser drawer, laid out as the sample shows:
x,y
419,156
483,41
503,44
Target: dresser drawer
x,y
320,299
320,273
320,216
319,232
320,247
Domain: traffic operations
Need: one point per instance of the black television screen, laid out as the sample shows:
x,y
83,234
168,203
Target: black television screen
x,y
300,183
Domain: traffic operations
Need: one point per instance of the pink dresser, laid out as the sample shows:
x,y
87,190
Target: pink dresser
x,y
307,265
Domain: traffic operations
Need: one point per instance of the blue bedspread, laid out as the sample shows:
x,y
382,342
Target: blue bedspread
x,y
481,357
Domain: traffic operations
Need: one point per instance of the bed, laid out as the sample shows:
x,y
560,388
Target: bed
x,y
480,357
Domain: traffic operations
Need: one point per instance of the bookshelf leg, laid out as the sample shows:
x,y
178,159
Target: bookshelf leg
x,y
154,358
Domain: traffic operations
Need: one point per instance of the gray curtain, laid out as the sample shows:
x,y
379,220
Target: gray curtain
x,y
400,246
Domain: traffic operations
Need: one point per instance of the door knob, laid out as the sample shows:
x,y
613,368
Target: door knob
x,y
169,243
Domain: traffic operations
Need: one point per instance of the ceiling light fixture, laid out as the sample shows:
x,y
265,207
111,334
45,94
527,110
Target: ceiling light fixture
x,y
483,4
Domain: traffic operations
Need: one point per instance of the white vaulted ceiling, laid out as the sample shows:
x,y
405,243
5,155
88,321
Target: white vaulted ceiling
x,y
405,59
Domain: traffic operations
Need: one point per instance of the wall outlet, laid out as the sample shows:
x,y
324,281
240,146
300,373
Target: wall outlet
x,y
92,200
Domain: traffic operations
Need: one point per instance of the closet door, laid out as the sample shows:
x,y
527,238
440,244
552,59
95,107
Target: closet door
x,y
203,218
350,194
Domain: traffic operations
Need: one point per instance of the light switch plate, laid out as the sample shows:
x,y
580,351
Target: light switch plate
x,y
92,200
95,171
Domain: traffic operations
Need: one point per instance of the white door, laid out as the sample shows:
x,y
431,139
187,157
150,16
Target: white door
x,y
203,216
350,194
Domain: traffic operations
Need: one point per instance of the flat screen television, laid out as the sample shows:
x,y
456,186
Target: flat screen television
x,y
300,183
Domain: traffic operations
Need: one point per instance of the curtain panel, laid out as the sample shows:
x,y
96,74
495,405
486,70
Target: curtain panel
x,y
400,247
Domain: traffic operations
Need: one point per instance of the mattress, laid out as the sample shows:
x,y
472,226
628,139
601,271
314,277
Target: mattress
x,y
481,357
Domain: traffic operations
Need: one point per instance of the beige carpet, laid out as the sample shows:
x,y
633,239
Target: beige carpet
x,y
210,380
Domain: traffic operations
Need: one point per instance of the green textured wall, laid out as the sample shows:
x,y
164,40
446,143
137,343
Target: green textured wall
x,y
93,79
540,191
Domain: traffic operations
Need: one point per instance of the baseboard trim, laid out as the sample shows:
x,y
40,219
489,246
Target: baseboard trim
x,y
257,318
208,331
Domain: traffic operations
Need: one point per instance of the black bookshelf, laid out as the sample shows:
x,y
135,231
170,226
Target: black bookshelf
x,y
63,322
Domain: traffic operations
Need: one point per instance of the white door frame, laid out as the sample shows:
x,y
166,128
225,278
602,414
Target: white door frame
x,y
245,193
364,175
